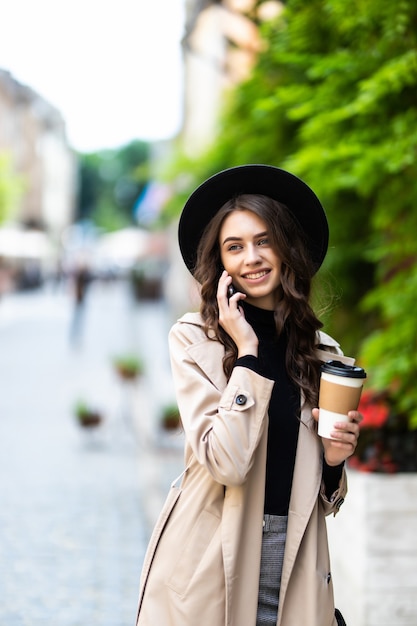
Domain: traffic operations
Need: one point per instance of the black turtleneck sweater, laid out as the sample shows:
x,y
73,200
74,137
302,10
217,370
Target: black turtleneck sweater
x,y
284,411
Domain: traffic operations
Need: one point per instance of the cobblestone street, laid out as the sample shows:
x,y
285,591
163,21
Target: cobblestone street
x,y
73,520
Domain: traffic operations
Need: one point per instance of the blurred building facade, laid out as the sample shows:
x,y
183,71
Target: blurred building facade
x,y
221,44
220,47
32,134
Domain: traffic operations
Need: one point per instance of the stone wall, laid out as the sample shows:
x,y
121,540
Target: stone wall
x,y
373,543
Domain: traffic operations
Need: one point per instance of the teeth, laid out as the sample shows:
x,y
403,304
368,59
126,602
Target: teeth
x,y
257,275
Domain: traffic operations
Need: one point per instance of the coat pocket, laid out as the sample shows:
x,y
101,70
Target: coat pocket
x,y
200,553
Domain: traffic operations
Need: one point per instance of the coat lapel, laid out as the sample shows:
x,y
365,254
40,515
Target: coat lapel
x,y
305,487
207,353
307,472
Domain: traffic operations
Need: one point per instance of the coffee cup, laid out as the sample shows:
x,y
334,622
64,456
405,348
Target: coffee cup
x,y
340,391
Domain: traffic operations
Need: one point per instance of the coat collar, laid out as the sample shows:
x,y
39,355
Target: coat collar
x,y
206,352
326,349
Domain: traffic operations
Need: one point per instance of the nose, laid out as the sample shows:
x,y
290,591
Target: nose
x,y
252,255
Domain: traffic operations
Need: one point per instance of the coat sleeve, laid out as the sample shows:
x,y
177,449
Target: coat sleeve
x,y
222,426
336,500
328,347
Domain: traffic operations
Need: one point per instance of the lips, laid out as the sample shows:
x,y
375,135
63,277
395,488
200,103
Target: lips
x,y
256,275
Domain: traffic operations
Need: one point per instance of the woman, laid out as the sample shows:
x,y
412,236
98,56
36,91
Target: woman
x,y
243,541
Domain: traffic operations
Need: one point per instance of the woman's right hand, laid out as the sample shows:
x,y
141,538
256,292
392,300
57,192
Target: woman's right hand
x,y
232,318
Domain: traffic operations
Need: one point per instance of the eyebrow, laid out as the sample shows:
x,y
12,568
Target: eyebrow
x,y
232,238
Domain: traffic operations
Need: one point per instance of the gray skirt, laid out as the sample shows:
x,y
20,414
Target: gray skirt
x,y
272,558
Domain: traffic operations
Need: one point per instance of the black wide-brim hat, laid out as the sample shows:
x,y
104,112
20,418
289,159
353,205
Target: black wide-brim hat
x,y
266,180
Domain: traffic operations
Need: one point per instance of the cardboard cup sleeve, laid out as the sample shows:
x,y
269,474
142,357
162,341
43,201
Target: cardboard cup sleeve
x,y
339,398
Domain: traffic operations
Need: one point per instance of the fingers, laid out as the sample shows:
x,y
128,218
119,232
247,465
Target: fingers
x,y
345,435
227,313
344,438
348,432
224,301
355,416
224,281
232,318
351,426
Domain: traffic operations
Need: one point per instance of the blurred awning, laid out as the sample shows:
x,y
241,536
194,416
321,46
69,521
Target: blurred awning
x,y
24,244
123,247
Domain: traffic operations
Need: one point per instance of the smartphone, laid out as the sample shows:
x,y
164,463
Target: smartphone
x,y
231,290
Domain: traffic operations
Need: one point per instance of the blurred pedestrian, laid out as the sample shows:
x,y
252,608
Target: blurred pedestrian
x,y
242,541
81,278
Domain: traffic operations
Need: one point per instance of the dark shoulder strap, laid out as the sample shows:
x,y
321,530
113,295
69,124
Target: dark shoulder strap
x,y
339,618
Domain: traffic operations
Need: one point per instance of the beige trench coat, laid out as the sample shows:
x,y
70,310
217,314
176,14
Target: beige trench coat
x,y
202,563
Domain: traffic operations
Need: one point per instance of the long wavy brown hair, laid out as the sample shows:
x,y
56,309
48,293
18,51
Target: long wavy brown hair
x,y
293,312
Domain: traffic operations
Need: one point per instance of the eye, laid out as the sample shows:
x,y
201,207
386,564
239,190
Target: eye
x,y
263,242
234,246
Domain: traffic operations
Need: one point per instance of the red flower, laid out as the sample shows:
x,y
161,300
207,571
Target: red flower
x,y
374,409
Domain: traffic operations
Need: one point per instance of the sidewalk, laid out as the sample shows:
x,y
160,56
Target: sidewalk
x,y
77,507
160,453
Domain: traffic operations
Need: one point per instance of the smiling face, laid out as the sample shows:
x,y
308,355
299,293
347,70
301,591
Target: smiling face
x,y
248,256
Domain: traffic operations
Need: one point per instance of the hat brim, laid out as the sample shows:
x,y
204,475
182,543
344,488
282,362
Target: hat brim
x,y
267,180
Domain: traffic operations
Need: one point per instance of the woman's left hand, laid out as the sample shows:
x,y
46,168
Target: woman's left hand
x,y
345,439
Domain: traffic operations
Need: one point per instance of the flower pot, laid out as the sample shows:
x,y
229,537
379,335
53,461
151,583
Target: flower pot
x,y
128,366
171,418
126,373
89,419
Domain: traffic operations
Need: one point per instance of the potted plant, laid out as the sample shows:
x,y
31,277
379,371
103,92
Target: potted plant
x,y
87,416
170,419
128,366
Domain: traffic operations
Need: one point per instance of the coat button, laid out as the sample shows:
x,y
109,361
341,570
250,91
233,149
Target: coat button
x,y
241,399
